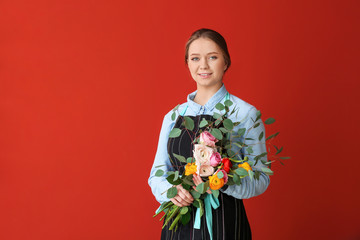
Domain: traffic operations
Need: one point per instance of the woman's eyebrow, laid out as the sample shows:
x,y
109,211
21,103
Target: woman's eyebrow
x,y
206,54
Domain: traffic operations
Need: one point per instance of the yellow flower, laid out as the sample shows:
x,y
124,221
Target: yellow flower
x,y
215,182
190,168
245,165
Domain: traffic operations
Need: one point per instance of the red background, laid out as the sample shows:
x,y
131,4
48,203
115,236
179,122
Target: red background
x,y
84,86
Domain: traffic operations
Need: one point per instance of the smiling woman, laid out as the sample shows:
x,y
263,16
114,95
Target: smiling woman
x,y
207,58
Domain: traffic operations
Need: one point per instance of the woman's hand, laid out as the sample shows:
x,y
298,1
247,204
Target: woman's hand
x,y
197,180
183,197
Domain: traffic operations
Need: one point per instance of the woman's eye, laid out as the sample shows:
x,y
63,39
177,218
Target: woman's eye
x,y
195,58
213,57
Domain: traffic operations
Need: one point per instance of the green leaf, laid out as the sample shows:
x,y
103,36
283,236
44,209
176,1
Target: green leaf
x,y
256,125
258,116
241,171
186,186
249,150
176,108
251,163
260,156
236,123
184,210
216,133
215,193
160,166
228,103
237,144
219,106
203,123
180,158
279,151
173,115
241,131
171,180
189,159
217,116
159,173
185,219
195,194
196,203
269,121
217,122
261,136
267,171
189,123
172,192
176,175
272,136
249,139
284,157
201,188
220,174
236,179
175,132
228,124
251,174
201,207
224,130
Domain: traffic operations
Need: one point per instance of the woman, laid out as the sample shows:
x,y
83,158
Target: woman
x,y
207,58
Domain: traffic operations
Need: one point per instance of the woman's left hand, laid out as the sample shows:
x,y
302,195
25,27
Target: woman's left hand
x,y
197,180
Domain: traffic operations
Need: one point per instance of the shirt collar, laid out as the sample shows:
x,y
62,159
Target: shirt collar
x,y
216,98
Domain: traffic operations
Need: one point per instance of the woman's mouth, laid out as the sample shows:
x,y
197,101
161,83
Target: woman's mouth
x,y
205,75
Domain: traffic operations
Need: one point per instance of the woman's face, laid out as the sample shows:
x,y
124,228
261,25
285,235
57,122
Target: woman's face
x,y
206,62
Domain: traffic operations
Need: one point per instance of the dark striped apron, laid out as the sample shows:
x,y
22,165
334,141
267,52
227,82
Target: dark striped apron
x,y
229,219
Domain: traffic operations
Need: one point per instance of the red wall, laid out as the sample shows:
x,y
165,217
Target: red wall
x,y
84,86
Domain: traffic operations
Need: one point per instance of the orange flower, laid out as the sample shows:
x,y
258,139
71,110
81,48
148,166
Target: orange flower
x,y
245,165
190,168
215,182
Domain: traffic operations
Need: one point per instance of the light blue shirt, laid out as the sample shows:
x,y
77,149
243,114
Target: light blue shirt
x,y
249,188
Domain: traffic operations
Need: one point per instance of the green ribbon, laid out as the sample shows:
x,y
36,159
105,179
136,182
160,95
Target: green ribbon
x,y
210,202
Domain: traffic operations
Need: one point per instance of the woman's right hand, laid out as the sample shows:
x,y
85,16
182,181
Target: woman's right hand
x,y
183,197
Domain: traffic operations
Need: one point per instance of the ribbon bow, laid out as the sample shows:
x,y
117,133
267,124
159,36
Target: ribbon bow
x,y
210,201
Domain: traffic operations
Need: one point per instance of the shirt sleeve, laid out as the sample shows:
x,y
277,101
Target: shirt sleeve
x,y
251,188
159,185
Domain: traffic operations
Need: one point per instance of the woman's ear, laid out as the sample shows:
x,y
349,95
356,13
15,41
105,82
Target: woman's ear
x,y
225,67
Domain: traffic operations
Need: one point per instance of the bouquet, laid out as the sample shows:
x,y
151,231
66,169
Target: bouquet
x,y
215,160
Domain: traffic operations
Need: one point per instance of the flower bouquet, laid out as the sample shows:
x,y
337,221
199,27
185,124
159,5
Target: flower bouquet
x,y
217,159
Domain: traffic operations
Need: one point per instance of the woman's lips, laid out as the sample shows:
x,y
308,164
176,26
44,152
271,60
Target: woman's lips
x,y
205,75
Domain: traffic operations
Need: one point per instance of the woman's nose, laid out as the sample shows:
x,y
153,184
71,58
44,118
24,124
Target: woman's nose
x,y
204,64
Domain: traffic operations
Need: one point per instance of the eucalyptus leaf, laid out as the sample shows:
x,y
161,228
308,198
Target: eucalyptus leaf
x,y
176,108
267,171
201,188
216,133
203,123
236,179
284,157
159,166
215,193
159,173
172,192
189,159
173,115
184,210
195,194
258,116
189,123
228,124
241,131
269,121
261,136
251,174
220,174
279,151
217,116
180,158
185,219
175,132
241,171
228,103
220,106
176,175
256,125
272,136
249,150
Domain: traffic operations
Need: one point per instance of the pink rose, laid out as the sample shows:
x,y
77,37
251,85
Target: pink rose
x,y
206,170
208,139
215,159
202,154
225,175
